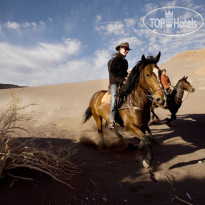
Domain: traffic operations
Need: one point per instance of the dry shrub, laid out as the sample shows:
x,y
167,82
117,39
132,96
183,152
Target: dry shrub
x,y
13,115
18,153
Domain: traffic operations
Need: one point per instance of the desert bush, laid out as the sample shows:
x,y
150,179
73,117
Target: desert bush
x,y
18,153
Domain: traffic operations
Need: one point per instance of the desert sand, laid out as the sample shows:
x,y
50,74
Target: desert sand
x,y
115,175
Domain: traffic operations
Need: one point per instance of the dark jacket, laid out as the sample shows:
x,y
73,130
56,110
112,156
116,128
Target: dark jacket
x,y
117,67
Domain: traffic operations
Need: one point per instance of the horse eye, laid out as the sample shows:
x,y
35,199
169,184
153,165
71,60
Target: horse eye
x,y
148,75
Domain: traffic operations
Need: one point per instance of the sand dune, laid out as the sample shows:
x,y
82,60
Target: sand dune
x,y
188,63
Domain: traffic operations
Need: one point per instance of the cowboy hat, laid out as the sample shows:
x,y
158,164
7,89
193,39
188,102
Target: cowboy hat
x,y
125,44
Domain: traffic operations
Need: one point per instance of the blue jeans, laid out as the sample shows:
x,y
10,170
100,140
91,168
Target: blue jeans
x,y
113,89
166,91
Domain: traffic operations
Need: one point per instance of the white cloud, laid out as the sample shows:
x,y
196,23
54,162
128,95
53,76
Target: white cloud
x,y
21,64
170,3
150,6
12,25
116,28
130,22
33,24
42,23
133,41
26,25
50,64
98,18
101,58
17,26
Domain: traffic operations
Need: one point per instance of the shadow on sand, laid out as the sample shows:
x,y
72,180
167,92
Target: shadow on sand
x,y
117,177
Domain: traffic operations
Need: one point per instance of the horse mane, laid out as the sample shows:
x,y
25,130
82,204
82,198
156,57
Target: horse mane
x,y
133,80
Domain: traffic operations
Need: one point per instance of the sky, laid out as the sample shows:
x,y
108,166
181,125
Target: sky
x,y
45,42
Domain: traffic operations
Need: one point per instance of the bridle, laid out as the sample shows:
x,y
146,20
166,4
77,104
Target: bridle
x,y
180,89
151,91
150,97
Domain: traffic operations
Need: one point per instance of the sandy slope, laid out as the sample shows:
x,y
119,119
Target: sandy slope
x,y
117,177
188,63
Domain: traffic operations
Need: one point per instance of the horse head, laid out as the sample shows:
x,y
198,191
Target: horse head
x,y
150,78
145,78
185,85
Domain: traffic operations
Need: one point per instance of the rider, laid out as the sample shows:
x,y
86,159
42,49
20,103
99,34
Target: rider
x,y
117,68
165,82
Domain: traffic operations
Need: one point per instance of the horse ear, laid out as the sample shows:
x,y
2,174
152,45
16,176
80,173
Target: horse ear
x,y
156,59
186,77
143,58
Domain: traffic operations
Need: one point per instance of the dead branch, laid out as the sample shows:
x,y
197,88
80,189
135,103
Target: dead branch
x,y
17,154
182,200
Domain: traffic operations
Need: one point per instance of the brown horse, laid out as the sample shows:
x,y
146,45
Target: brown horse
x,y
133,103
174,102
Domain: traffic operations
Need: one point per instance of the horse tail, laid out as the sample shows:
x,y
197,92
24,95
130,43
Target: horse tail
x,y
87,115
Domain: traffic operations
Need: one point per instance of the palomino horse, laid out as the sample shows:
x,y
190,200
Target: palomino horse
x,y
134,101
174,102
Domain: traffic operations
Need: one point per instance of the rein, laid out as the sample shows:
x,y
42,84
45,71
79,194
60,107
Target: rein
x,y
131,107
183,91
184,99
186,96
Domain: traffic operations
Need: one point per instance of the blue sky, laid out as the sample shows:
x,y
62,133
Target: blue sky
x,y
45,42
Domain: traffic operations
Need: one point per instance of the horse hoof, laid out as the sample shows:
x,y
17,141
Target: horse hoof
x,y
145,164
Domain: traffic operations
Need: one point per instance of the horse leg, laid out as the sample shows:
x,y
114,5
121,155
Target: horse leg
x,y
149,157
154,115
98,120
173,117
152,138
144,142
120,137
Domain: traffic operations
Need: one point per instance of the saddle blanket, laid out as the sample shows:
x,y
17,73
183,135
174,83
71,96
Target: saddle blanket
x,y
106,98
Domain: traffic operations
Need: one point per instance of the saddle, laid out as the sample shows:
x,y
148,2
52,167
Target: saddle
x,y
106,98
